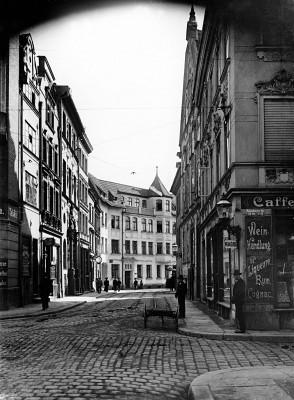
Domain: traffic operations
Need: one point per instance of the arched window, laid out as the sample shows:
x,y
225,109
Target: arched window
x,y
144,224
135,224
128,223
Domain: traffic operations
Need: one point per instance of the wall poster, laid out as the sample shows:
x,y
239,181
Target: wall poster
x,y
259,285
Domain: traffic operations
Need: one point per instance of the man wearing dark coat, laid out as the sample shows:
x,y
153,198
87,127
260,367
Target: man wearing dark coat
x,y
45,290
239,300
106,284
181,296
98,285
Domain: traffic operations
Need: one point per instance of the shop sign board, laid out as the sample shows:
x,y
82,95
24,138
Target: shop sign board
x,y
3,273
259,285
230,244
267,201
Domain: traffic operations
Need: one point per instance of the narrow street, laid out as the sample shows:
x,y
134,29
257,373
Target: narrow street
x,y
101,350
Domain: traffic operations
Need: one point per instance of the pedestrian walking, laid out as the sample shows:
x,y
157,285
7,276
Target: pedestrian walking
x,y
141,284
118,284
115,284
239,300
181,296
173,282
45,290
106,284
98,285
135,284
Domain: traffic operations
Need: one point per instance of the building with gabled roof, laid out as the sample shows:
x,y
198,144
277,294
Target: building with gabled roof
x,y
137,232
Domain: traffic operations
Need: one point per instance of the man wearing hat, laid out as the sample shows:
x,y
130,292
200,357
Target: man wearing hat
x,y
239,300
181,295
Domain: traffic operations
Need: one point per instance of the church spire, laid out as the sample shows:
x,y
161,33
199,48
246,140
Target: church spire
x,y
191,32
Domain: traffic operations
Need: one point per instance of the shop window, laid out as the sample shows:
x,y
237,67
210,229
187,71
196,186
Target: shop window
x,y
284,260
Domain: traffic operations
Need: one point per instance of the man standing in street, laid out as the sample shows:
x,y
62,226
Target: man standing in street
x,y
106,284
98,284
239,300
181,296
45,290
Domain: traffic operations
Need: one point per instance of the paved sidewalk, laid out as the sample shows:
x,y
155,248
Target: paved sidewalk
x,y
199,324
250,383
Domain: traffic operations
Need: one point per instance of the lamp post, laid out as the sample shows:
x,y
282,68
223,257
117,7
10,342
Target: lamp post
x,y
122,246
224,210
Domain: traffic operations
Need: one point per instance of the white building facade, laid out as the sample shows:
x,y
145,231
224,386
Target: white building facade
x,y
137,233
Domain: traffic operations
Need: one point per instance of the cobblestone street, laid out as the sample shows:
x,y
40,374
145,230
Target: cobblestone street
x,y
101,350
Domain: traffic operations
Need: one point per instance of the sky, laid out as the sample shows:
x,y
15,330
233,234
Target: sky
x,y
124,64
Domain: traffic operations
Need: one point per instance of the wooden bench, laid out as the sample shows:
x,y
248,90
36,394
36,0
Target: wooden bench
x,y
156,311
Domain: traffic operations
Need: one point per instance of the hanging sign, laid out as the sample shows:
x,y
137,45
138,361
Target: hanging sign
x,y
230,244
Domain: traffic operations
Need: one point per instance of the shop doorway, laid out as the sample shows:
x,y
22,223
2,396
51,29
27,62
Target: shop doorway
x,y
283,250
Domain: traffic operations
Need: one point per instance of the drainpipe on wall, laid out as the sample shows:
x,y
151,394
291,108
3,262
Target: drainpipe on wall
x,y
20,218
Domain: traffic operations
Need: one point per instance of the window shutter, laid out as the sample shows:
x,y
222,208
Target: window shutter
x,y
279,129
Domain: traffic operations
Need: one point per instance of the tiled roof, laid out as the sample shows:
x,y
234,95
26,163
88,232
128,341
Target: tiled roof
x,y
114,191
159,188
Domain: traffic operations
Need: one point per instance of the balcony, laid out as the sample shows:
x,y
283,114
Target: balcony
x,y
51,220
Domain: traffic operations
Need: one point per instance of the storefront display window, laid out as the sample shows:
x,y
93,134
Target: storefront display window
x,y
284,259
226,272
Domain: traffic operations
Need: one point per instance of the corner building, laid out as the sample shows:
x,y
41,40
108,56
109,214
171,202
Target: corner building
x,y
237,143
137,232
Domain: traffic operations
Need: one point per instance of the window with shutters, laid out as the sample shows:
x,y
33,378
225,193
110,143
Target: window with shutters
x,y
278,129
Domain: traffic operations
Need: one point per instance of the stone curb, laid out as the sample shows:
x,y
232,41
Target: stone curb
x,y
251,337
40,314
